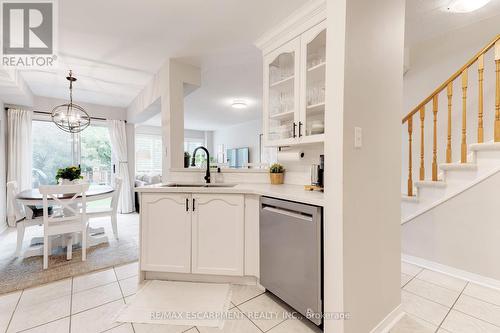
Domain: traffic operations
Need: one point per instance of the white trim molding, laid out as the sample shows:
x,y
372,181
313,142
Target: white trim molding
x,y
388,323
451,271
304,18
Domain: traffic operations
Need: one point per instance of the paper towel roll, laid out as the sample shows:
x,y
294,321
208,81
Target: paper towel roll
x,y
289,156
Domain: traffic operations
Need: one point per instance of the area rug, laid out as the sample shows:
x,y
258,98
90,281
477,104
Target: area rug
x,y
178,303
21,273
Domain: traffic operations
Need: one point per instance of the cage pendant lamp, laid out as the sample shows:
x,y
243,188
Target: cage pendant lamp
x,y
70,117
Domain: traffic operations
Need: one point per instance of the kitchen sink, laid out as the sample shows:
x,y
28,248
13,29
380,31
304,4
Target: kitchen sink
x,y
197,185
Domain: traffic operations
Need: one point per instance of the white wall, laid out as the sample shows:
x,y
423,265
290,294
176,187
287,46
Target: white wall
x,y
239,136
461,233
362,217
3,169
431,63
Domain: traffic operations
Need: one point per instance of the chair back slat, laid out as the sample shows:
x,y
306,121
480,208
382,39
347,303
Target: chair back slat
x,y
66,197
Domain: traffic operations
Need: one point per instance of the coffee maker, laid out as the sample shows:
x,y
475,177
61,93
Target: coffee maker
x,y
317,173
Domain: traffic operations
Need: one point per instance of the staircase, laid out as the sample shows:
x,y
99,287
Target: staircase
x,y
478,160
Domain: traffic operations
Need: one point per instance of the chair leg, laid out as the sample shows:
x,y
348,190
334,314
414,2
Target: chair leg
x,y
84,244
69,248
45,252
114,224
20,237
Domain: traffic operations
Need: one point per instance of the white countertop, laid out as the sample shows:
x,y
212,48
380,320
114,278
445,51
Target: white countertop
x,y
285,191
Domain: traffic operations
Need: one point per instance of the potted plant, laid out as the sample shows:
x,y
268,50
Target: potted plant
x,y
69,175
187,159
276,172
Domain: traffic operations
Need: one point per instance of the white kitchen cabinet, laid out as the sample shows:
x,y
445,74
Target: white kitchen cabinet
x,y
281,96
218,234
192,233
294,88
166,232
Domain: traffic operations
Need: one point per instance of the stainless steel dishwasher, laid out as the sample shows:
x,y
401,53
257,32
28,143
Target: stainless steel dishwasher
x,y
291,254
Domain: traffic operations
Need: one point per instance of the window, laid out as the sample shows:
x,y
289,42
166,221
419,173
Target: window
x,y
190,145
148,153
54,149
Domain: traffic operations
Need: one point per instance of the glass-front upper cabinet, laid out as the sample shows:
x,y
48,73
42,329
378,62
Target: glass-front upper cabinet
x,y
313,72
281,97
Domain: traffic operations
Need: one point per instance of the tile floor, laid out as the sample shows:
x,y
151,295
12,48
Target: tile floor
x,y
433,302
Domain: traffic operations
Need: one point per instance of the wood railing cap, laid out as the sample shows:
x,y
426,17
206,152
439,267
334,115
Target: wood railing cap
x,y
455,75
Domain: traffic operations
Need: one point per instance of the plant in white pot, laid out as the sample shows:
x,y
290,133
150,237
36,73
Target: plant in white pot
x,y
69,175
276,172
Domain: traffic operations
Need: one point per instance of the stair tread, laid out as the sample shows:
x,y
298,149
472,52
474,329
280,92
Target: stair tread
x,y
406,198
485,146
458,166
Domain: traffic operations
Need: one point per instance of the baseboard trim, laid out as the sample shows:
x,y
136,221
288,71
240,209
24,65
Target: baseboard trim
x,y
455,272
390,321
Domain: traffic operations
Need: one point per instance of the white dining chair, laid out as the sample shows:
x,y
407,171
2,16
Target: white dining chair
x,y
22,220
110,211
68,219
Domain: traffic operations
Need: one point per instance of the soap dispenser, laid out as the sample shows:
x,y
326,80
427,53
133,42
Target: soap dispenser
x,y
219,177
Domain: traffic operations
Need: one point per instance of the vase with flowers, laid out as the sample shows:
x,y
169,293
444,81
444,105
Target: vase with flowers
x,y
69,175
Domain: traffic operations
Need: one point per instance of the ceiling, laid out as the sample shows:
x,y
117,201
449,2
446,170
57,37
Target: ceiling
x,y
427,19
115,46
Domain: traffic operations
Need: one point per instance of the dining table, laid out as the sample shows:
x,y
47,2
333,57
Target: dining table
x,y
32,198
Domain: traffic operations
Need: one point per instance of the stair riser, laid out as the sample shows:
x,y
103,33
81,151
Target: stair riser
x,y
460,175
487,157
430,194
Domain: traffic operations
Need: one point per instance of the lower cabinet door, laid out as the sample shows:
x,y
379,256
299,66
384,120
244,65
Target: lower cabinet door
x,y
218,234
166,232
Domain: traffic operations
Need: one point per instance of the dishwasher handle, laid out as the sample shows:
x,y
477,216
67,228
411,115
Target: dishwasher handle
x,y
288,213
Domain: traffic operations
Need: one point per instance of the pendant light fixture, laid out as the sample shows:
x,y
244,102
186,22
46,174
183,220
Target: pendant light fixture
x,y
70,117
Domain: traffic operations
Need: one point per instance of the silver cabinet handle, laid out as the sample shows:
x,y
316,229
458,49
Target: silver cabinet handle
x,y
288,213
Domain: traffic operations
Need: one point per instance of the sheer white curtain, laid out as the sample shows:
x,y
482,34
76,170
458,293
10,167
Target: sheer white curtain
x,y
118,138
19,150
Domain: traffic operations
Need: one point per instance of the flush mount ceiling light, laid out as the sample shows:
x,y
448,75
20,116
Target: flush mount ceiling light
x,y
239,104
70,117
466,6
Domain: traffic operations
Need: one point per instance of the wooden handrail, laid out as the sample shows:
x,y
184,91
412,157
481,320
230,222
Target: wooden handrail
x,y
451,79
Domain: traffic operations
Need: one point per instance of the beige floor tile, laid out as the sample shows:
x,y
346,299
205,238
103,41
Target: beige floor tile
x,y
126,271
92,280
479,309
457,322
265,311
236,322
8,303
442,280
486,294
242,293
46,292
152,328
422,308
410,324
130,286
58,326
432,292
91,298
405,278
41,305
410,269
97,319
124,328
296,326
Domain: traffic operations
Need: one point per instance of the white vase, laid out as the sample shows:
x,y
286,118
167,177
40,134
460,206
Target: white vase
x,y
63,181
